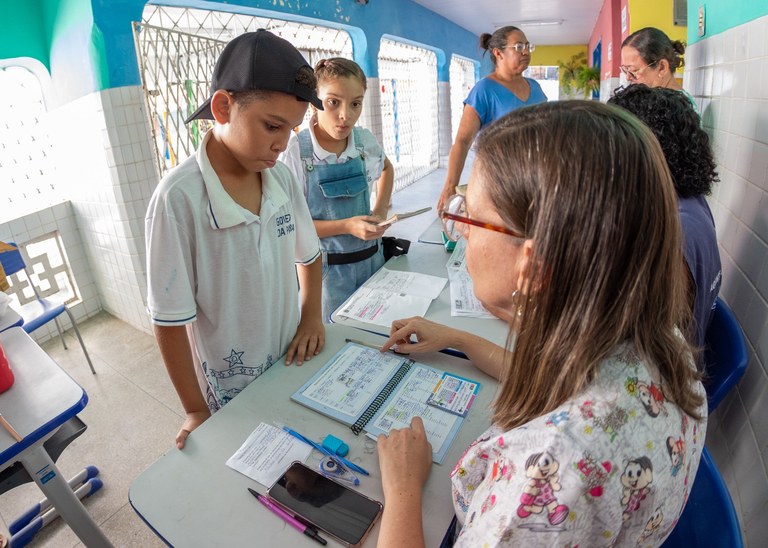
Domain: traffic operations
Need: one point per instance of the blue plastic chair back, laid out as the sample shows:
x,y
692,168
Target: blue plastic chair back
x,y
725,354
709,518
11,260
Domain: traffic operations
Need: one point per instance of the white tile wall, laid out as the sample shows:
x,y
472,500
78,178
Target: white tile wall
x,y
728,75
112,174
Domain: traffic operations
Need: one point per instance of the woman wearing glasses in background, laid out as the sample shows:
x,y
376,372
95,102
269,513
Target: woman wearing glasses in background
x,y
649,57
600,382
502,91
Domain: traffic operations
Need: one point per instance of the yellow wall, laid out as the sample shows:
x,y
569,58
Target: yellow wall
x,y
551,56
655,13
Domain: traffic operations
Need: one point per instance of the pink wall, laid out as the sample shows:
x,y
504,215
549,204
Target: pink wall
x,y
608,32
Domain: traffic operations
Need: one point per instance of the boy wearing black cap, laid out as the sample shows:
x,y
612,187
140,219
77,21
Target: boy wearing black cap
x,y
224,230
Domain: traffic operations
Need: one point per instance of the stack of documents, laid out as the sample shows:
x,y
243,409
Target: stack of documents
x,y
391,295
463,300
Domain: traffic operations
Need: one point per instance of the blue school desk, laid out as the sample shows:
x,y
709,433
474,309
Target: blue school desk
x,y
42,399
192,498
431,259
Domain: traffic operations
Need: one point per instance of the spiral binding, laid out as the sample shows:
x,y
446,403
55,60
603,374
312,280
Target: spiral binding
x,y
382,397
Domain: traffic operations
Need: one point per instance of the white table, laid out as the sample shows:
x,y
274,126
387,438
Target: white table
x,y
431,259
10,318
191,498
42,398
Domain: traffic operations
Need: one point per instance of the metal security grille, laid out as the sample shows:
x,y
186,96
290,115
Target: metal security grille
x,y
177,49
462,75
408,77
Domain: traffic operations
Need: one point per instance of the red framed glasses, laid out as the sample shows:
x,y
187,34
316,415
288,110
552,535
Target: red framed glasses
x,y
453,221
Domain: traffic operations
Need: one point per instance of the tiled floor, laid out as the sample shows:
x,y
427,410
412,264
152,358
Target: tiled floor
x,y
133,413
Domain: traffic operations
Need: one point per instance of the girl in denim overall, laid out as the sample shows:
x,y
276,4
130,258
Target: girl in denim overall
x,y
338,164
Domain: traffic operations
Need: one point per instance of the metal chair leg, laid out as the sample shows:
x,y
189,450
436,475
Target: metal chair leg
x,y
61,333
79,338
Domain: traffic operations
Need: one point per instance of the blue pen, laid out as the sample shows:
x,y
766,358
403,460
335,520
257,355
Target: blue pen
x,y
324,451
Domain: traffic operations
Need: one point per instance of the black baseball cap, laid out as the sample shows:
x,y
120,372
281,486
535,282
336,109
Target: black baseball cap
x,y
258,60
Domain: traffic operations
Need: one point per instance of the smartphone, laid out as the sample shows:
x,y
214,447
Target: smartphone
x,y
340,511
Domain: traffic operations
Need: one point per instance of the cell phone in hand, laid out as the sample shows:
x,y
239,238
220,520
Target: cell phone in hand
x,y
317,500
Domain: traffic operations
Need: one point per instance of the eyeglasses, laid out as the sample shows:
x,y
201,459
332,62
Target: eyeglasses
x,y
519,47
634,73
454,223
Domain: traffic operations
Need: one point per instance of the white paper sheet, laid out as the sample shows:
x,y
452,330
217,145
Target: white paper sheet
x,y
267,453
463,300
381,307
407,283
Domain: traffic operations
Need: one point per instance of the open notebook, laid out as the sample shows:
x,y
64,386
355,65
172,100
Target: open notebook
x,y
374,392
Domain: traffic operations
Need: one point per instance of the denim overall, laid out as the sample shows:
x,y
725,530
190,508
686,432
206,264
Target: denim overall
x,y
340,191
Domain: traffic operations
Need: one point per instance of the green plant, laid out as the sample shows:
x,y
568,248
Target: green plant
x,y
578,78
569,71
588,81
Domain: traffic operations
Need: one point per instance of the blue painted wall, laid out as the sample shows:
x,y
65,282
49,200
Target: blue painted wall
x,y
95,50
721,15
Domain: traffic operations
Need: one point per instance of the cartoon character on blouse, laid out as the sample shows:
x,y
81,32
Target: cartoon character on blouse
x,y
652,398
652,525
636,478
595,473
676,450
539,491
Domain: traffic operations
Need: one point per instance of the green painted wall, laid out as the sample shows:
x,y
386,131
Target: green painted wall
x,y
24,33
722,15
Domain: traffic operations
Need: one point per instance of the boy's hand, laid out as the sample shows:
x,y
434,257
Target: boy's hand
x,y
365,227
307,342
192,421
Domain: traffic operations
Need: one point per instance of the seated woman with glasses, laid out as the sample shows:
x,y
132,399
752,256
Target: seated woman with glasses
x,y
600,377
502,91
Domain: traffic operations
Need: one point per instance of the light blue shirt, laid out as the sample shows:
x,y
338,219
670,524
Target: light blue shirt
x,y
491,100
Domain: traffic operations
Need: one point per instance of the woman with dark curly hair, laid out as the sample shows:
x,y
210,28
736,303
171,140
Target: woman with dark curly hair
x,y
686,147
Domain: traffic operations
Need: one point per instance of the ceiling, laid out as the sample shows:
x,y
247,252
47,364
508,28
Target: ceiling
x,y
478,16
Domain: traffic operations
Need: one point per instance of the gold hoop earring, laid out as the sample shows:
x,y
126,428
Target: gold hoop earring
x,y
516,304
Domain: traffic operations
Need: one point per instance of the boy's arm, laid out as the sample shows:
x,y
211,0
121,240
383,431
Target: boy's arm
x,y
310,335
177,356
384,190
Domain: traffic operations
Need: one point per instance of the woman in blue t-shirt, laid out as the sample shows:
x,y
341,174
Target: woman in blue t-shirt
x,y
502,91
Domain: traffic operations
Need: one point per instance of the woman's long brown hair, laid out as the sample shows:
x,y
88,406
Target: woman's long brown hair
x,y
588,184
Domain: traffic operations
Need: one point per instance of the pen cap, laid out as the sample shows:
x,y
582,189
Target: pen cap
x,y
335,445
6,375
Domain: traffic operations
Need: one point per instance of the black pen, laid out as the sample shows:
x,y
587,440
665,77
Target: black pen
x,y
311,532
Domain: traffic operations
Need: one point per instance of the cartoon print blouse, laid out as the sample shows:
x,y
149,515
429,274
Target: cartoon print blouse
x,y
612,466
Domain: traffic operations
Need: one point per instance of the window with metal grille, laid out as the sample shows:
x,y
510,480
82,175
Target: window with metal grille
x,y
27,168
177,50
462,75
548,78
408,78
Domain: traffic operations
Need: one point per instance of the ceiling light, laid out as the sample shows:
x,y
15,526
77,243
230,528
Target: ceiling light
x,y
531,23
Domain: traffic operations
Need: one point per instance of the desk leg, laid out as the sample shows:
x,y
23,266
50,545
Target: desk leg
x,y
47,477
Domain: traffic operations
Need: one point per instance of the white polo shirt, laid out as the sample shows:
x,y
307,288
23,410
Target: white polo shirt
x,y
226,272
374,157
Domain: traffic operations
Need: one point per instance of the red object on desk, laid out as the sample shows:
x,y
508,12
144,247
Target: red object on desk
x,y
6,375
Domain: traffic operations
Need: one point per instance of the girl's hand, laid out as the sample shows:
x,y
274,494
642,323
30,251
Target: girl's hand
x,y
365,227
430,336
405,457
